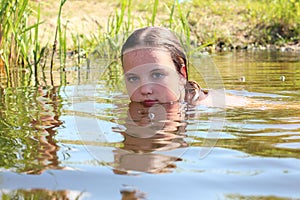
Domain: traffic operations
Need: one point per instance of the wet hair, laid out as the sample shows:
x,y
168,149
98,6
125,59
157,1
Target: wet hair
x,y
157,37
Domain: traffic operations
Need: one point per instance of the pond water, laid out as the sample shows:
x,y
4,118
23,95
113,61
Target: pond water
x,y
78,137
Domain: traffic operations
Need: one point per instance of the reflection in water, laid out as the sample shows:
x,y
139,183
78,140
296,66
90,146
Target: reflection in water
x,y
132,193
150,130
45,124
259,145
41,194
30,117
29,144
264,129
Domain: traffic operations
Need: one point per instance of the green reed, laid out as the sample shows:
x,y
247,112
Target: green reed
x,y
38,52
109,41
270,21
19,40
171,13
154,12
122,23
184,25
61,37
12,28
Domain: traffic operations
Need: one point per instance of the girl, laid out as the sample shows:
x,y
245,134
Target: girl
x,y
155,67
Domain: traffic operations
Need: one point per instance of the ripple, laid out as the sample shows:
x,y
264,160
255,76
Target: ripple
x,y
291,145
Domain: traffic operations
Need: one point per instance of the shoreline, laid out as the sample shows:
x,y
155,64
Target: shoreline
x,y
91,17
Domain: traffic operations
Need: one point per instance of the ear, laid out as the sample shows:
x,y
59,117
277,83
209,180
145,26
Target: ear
x,y
183,71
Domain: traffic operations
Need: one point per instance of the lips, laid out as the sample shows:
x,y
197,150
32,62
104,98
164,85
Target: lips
x,y
150,103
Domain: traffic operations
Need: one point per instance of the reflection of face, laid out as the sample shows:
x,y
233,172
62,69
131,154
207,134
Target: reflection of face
x,y
148,162
151,77
150,129
145,122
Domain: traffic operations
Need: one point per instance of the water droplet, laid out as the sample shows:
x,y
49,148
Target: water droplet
x,y
151,116
282,78
242,79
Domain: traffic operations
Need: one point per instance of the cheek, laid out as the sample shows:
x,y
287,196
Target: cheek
x,y
167,94
135,96
130,88
133,90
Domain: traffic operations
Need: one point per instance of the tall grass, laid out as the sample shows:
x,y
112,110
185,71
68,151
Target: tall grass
x,y
125,19
19,44
154,12
60,35
12,29
277,21
38,52
262,21
270,21
19,40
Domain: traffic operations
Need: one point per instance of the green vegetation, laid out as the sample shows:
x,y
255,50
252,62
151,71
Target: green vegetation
x,y
246,22
19,43
212,24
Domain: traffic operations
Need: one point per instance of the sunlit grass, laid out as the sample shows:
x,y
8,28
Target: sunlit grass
x,y
19,42
198,23
276,21
257,22
127,17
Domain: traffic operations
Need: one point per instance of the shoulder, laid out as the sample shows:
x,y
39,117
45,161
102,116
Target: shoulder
x,y
219,98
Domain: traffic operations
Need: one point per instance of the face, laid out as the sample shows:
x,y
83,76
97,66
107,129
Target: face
x,y
151,77
154,121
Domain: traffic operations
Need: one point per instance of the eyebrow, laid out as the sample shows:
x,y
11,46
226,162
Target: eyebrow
x,y
153,70
130,74
157,69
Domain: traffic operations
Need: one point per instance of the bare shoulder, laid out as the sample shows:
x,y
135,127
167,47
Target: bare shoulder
x,y
219,98
222,99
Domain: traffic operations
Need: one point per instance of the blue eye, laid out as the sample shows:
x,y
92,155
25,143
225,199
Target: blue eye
x,y
132,79
157,75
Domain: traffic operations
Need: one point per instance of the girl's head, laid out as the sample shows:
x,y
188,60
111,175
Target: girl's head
x,y
154,64
160,38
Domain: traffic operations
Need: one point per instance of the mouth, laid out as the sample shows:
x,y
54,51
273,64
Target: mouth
x,y
149,103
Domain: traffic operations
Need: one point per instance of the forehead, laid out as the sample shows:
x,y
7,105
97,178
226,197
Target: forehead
x,y
145,56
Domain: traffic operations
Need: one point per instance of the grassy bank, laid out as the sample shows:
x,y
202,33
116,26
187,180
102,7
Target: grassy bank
x,y
247,23
219,24
33,33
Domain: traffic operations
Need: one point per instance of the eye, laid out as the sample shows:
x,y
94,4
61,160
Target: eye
x,y
157,75
132,79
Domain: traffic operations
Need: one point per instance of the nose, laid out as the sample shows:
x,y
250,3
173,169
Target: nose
x,y
146,89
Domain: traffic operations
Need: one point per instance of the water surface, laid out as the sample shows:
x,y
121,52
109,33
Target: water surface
x,y
77,137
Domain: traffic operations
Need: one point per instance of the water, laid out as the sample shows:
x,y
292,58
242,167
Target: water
x,y
69,140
